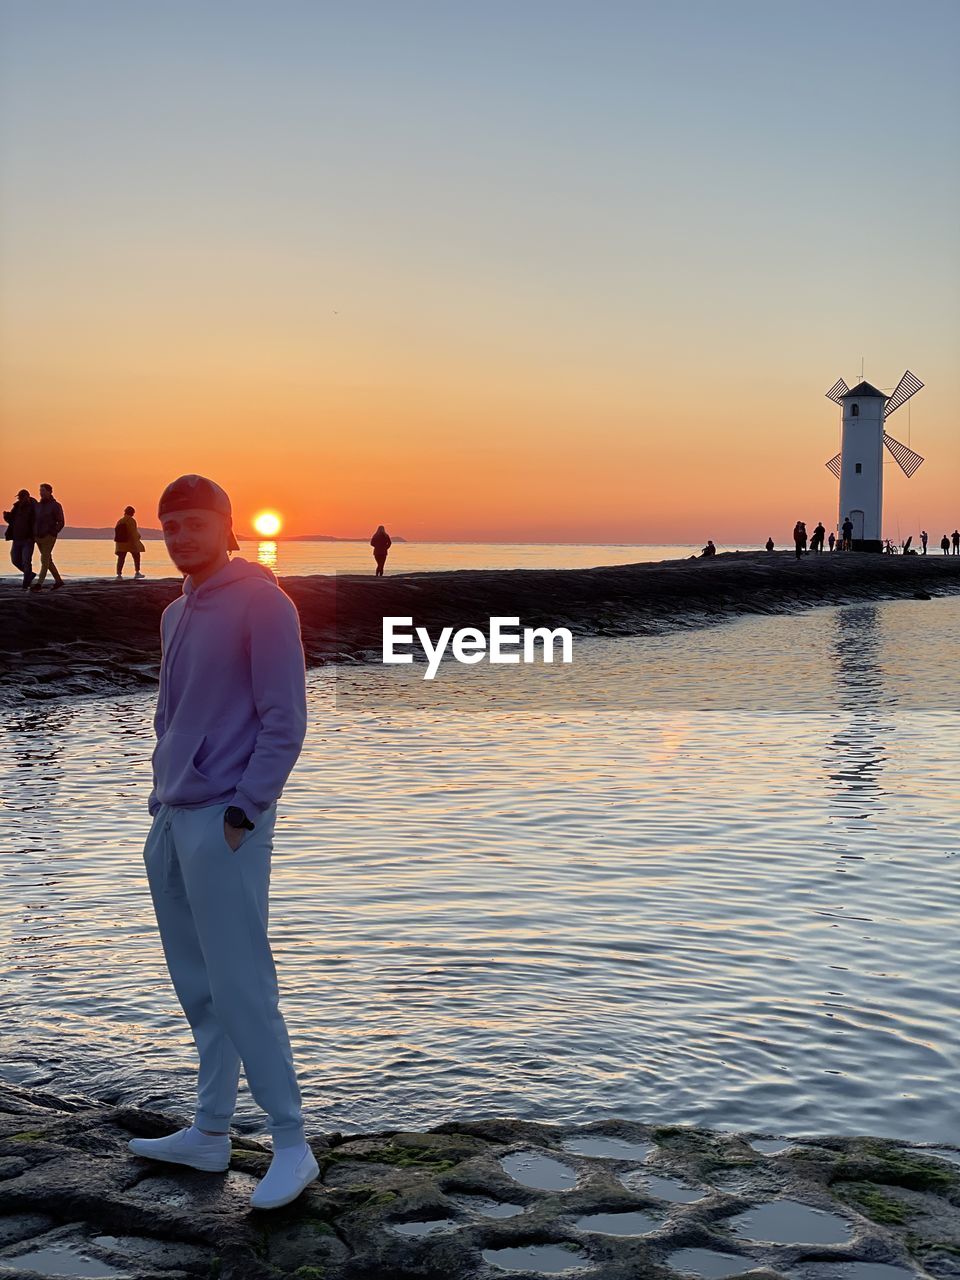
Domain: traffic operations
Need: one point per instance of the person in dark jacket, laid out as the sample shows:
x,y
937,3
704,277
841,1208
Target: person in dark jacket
x,y
49,523
381,543
769,544
924,538
21,534
800,538
945,545
818,536
955,537
126,539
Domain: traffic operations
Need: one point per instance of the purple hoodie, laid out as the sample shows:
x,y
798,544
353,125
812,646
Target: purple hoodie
x,y
232,708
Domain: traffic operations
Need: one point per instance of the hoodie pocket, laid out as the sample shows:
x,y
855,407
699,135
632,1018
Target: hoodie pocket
x,y
178,780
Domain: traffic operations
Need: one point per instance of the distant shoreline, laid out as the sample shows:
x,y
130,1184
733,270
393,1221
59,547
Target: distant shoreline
x,y
101,637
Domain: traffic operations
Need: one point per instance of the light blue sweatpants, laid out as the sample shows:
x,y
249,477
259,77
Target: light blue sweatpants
x,y
212,905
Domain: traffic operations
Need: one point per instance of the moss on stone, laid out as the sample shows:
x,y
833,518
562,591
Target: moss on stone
x,y
875,1205
309,1273
922,1246
399,1157
892,1166
25,1135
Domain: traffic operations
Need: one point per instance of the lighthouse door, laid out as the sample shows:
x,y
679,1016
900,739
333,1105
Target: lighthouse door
x,y
857,519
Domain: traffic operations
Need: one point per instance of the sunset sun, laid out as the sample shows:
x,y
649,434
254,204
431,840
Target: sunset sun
x,y
267,523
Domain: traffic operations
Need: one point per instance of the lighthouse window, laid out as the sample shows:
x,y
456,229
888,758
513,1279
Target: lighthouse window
x,y
854,411
859,467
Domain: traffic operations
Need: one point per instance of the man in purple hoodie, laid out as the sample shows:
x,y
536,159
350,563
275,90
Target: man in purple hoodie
x,y
230,722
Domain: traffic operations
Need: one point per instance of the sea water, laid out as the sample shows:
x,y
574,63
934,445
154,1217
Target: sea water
x,y
712,881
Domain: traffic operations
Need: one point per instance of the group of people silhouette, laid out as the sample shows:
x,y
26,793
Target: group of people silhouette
x,y
34,524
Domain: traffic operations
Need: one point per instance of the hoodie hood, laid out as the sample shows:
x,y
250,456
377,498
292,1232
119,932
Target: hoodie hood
x,y
238,570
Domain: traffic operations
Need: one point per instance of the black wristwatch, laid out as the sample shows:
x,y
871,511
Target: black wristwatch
x,y
235,817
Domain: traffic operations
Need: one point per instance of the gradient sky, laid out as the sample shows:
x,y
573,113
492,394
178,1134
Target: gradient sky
x,y
518,270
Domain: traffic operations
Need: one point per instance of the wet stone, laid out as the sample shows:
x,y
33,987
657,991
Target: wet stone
x,y
532,1169
23,1226
851,1271
942,1153
709,1263
160,1254
770,1146
551,1259
428,1227
630,1222
488,1208
609,1148
61,1260
669,1189
347,1173
790,1222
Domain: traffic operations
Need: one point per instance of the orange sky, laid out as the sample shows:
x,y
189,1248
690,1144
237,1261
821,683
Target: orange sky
x,y
433,288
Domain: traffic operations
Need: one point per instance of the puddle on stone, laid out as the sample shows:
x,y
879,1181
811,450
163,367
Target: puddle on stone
x,y
709,1264
790,1222
771,1146
663,1188
548,1258
531,1169
611,1148
57,1260
852,1271
490,1208
630,1222
423,1228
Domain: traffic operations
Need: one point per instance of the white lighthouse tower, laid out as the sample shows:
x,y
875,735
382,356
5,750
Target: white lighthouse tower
x,y
859,464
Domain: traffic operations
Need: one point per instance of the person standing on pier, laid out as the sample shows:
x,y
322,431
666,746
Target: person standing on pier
x,y
923,541
127,540
956,542
230,722
381,543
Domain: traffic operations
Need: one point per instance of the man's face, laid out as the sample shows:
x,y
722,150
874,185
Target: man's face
x,y
46,491
194,538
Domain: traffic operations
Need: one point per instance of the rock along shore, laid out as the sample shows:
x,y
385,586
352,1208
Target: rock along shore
x,y
103,637
459,1202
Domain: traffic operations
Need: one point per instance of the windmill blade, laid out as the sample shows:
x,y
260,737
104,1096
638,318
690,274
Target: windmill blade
x,y
837,392
909,461
834,465
907,386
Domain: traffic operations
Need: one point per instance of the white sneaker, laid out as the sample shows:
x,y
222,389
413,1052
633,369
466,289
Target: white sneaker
x,y
291,1169
186,1146
139,575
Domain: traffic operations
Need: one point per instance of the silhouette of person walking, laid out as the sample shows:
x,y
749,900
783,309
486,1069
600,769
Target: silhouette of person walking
x,y
847,529
818,535
800,538
923,541
126,538
21,534
831,541
956,542
49,516
381,543
769,544
945,545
